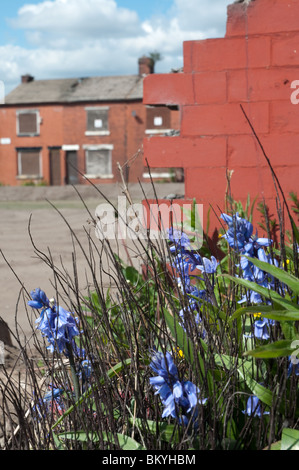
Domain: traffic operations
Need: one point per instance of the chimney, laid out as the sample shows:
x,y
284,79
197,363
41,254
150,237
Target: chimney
x,y
146,66
27,78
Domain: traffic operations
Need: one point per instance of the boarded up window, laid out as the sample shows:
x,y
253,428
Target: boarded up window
x,y
29,163
28,123
98,162
157,117
97,119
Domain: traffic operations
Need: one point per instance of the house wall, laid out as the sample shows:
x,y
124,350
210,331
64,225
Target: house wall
x,y
255,65
65,125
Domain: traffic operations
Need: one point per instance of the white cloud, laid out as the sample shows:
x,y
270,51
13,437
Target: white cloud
x,y
96,37
77,19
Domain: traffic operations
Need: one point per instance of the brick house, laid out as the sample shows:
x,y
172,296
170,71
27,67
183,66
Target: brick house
x,y
49,129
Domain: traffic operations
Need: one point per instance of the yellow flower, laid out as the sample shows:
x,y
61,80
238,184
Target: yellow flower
x,y
178,352
257,315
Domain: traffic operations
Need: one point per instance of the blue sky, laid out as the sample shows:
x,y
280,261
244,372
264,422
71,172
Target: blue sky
x,y
70,38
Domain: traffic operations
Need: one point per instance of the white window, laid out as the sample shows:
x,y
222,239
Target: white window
x,y
28,122
29,163
97,120
98,161
158,121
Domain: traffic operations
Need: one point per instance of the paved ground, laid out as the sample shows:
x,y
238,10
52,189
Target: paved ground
x,y
49,231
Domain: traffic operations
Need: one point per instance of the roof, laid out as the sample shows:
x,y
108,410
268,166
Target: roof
x,y
73,90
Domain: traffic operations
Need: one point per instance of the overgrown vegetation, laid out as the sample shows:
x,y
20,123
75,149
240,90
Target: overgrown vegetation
x,y
187,349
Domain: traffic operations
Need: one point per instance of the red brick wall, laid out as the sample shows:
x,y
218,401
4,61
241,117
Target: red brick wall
x,y
254,65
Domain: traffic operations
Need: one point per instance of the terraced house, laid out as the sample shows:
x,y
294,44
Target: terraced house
x,y
63,131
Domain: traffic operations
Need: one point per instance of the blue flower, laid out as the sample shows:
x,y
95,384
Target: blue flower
x,y
175,394
253,407
178,238
261,328
239,235
239,230
51,401
39,299
54,322
293,366
208,266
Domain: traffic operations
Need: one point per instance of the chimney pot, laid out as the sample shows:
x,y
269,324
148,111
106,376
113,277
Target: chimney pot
x,y
27,78
146,65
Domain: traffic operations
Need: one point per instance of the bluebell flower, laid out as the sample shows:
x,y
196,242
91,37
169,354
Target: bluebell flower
x,y
253,407
85,373
208,266
239,235
261,328
54,322
179,238
293,366
39,299
52,401
179,398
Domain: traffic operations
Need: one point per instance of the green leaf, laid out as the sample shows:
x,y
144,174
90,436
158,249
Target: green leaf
x,y
290,439
291,281
58,444
167,432
257,309
263,291
125,442
280,348
282,315
245,369
275,446
80,436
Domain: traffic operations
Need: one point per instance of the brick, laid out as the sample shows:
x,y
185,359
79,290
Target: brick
x,y
288,179
210,87
224,119
285,50
282,149
201,184
255,181
261,84
225,54
263,17
284,117
168,89
236,20
163,152
244,151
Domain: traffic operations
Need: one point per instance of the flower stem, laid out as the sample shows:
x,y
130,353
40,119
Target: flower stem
x,y
73,373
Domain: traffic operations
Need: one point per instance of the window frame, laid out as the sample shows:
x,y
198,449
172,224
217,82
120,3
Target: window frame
x,y
38,121
95,131
156,129
35,176
90,148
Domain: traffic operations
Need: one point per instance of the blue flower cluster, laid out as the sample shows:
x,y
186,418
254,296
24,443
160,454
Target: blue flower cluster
x,y
239,236
185,261
54,322
179,398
